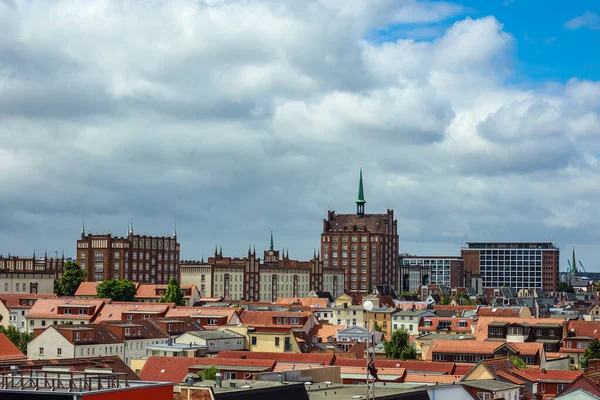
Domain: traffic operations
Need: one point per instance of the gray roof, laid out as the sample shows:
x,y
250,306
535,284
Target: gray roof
x,y
217,334
490,384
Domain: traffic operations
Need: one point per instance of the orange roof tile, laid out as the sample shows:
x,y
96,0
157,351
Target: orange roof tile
x,y
115,310
188,311
304,358
584,328
265,318
148,291
48,308
14,300
87,289
409,365
475,347
8,351
314,302
534,374
481,329
380,370
453,308
499,311
325,331
432,378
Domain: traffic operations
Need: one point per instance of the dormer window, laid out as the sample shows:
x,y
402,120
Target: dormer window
x,y
295,321
427,323
67,311
212,322
82,311
169,327
127,331
76,335
129,317
278,320
286,321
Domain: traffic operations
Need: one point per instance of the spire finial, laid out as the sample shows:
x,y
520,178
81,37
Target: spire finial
x,y
360,201
175,230
573,265
216,250
271,246
221,250
131,226
82,226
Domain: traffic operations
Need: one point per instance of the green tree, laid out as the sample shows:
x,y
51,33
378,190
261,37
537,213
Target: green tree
x,y
19,339
518,362
564,287
592,352
173,294
445,301
377,327
117,290
466,299
209,373
71,277
398,347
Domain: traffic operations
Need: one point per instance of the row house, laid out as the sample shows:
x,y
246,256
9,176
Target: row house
x,y
547,333
127,339
129,311
474,351
546,383
410,320
446,325
576,341
214,340
208,317
63,310
15,307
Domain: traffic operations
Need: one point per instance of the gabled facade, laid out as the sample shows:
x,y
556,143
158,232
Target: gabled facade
x,y
215,341
358,334
14,309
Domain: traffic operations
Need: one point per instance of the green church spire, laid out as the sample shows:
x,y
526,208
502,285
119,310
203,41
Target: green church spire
x,y
271,247
573,265
360,201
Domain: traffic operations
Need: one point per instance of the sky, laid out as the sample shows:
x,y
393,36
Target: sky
x,y
474,120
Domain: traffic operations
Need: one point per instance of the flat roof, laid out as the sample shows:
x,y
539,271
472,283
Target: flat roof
x,y
490,384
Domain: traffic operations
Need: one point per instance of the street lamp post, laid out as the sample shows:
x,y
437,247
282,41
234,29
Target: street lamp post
x,y
368,306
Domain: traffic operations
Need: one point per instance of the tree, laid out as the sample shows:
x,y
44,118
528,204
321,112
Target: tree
x,y
117,290
71,277
398,347
466,299
19,339
445,301
173,294
209,373
377,327
518,362
564,287
592,352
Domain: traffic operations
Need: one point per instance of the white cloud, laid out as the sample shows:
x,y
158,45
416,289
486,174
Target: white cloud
x,y
588,19
235,118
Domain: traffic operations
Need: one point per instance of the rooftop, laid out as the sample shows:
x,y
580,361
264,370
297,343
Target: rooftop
x,y
490,384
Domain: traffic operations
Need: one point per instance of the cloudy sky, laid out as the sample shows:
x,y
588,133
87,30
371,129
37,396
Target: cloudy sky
x,y
234,118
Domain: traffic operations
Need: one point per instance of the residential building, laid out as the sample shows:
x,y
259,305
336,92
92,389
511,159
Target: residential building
x,y
29,275
516,312
424,270
347,313
128,311
410,320
136,257
208,317
153,293
127,339
63,310
475,351
214,340
519,265
579,335
14,309
451,325
547,383
358,334
364,246
252,279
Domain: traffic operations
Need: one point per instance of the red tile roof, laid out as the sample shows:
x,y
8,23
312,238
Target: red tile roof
x,y
14,300
48,308
8,351
87,289
453,308
148,291
462,368
380,371
314,302
265,318
499,311
304,358
325,331
475,347
454,324
409,365
584,328
185,311
533,375
432,378
174,369
115,310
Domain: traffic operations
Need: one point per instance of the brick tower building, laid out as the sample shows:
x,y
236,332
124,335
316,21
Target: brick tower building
x,y
364,245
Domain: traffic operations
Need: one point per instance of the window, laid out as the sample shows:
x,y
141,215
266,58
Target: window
x,y
253,340
552,332
59,352
41,351
82,311
483,395
569,344
543,388
277,342
560,387
212,322
76,335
